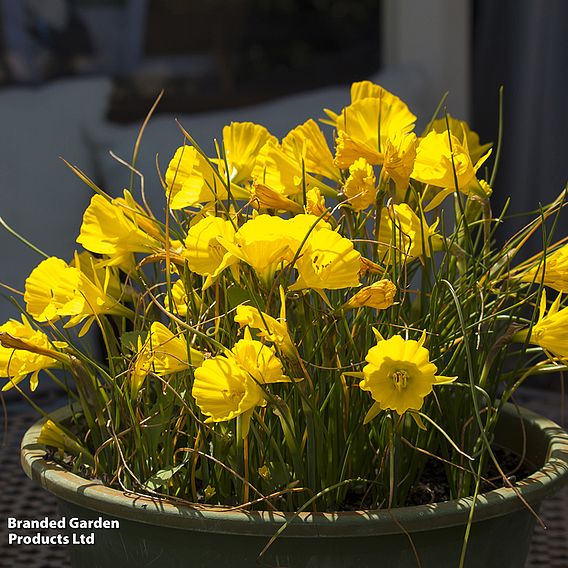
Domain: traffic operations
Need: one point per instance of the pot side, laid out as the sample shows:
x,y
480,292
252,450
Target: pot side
x,y
154,533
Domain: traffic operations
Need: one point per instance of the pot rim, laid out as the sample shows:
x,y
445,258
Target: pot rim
x,y
498,502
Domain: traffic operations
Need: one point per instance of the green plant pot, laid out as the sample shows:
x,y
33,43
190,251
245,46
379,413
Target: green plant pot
x,y
157,534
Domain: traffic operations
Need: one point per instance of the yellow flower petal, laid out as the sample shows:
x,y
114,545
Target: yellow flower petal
x,y
315,204
262,198
163,353
469,138
258,360
262,243
551,330
54,289
400,153
277,170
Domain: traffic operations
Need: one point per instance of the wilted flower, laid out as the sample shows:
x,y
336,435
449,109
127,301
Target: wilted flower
x,y
379,295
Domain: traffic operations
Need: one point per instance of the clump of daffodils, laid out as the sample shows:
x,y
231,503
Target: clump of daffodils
x,y
302,315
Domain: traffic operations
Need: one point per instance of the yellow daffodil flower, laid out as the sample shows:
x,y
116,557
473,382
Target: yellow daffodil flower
x,y
258,360
315,204
54,290
139,216
436,160
306,143
555,270
402,234
282,172
179,299
399,375
551,330
109,228
277,170
24,351
224,390
263,197
163,353
461,130
203,252
365,126
379,295
192,180
400,153
360,187
227,386
327,261
269,328
49,288
53,435
242,142
262,243
96,270
441,160
359,90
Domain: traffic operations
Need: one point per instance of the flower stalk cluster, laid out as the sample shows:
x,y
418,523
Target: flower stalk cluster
x,y
303,315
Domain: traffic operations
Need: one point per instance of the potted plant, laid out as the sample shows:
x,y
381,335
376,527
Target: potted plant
x,y
309,356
